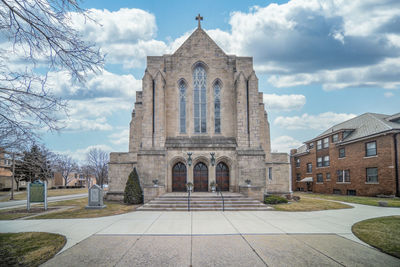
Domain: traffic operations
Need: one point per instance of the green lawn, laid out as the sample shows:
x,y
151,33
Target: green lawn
x,y
50,193
382,233
76,209
372,201
29,249
309,204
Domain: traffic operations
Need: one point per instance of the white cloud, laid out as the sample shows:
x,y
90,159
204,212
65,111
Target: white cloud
x,y
284,144
388,94
79,155
81,124
89,105
338,44
120,137
126,36
283,102
316,122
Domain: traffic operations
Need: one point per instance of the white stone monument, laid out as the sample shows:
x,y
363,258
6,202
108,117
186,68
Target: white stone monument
x,y
95,200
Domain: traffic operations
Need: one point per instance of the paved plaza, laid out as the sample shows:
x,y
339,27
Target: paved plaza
x,y
245,238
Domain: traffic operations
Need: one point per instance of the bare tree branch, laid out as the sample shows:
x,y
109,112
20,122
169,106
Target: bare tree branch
x,y
41,39
97,160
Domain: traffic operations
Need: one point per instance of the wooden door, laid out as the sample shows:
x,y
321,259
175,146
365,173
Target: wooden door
x,y
179,177
222,176
200,177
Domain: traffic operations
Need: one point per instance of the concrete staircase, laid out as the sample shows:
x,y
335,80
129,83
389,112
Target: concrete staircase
x,y
203,202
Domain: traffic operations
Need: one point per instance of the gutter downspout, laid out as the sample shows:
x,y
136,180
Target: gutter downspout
x,y
396,164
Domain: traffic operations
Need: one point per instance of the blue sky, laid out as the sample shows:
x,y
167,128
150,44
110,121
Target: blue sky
x,y
318,62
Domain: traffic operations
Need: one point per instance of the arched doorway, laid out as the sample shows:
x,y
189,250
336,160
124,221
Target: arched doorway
x,y
179,177
222,176
200,177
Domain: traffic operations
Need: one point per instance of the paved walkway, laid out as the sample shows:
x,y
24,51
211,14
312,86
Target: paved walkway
x,y
206,230
22,203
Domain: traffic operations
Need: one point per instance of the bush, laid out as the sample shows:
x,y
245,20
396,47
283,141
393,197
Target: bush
x,y
133,193
274,200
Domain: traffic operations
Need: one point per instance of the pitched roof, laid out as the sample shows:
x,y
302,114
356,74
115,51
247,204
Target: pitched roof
x,y
365,125
199,38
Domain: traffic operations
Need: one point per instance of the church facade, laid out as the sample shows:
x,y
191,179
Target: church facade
x,y
200,119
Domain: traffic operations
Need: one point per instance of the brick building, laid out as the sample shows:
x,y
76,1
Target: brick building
x,y
200,118
360,156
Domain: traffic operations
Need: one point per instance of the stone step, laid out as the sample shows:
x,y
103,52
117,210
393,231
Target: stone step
x,y
203,205
203,198
204,209
196,196
203,202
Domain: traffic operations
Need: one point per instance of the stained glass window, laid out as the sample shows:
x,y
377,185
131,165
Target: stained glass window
x,y
182,106
217,107
200,100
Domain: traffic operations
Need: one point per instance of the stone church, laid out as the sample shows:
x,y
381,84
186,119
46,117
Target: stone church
x,y
201,119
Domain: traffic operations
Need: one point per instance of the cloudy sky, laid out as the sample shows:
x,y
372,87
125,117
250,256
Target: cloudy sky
x,y
318,62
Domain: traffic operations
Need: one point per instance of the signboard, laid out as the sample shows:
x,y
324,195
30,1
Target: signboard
x,y
37,193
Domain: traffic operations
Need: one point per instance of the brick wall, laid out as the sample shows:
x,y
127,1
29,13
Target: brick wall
x,y
355,161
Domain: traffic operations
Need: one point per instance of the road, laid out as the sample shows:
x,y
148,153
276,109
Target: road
x,y
22,203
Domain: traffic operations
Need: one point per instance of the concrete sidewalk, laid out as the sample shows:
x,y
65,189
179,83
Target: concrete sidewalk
x,y
221,250
205,223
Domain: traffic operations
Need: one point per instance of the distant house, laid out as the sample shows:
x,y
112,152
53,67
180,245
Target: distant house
x,y
360,156
74,179
6,172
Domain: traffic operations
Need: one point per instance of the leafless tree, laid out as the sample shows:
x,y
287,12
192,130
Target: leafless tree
x,y
38,34
97,160
87,173
66,165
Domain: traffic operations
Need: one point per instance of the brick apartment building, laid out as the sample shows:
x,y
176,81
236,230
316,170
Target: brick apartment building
x,y
360,156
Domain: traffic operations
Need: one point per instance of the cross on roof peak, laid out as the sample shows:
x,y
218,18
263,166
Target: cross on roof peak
x,y
199,18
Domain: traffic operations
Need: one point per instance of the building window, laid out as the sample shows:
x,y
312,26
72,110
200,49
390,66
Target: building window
x,y
319,144
343,176
182,106
337,191
342,152
372,175
346,133
326,161
270,173
311,145
328,176
298,176
351,192
335,138
326,142
370,149
309,168
320,178
297,162
217,107
319,162
200,99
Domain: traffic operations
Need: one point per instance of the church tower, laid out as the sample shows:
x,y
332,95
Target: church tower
x,y
200,119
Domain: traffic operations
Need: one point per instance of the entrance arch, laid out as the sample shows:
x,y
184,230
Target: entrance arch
x,y
200,177
222,176
179,177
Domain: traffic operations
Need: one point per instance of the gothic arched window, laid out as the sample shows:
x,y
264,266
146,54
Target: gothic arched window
x,y
182,106
200,99
217,107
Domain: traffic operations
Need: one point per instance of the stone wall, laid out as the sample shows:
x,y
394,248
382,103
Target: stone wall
x,y
281,173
